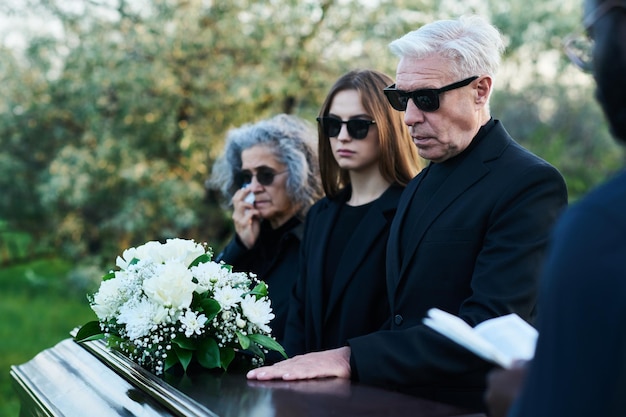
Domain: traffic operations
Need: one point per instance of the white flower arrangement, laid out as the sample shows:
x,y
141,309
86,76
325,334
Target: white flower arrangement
x,y
170,303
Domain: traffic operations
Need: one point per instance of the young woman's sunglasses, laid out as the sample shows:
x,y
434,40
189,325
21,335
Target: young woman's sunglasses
x,y
357,128
425,100
264,176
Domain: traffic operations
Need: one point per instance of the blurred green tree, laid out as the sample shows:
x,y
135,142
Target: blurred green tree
x,y
108,129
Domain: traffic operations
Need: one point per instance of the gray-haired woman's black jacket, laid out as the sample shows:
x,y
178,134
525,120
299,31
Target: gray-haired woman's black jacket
x,y
274,258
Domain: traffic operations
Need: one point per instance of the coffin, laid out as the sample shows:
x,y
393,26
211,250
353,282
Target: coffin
x,y
88,379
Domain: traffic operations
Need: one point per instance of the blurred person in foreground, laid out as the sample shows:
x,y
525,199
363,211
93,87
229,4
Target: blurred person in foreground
x,y
579,368
269,173
470,231
366,159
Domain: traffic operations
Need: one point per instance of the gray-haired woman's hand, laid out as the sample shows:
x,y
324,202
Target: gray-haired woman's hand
x,y
246,217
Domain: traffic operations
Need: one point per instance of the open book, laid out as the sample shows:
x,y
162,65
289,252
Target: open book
x,y
501,340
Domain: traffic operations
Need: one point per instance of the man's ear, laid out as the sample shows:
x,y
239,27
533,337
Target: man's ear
x,y
483,89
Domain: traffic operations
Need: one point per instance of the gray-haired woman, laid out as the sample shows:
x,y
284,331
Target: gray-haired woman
x,y
269,173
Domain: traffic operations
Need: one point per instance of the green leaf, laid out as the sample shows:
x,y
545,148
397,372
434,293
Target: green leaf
x,y
114,341
185,343
210,307
260,290
200,260
184,356
227,267
268,342
227,355
208,354
108,276
244,341
254,348
90,331
170,360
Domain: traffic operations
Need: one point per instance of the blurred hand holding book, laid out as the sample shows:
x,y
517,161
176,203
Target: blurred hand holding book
x,y
502,340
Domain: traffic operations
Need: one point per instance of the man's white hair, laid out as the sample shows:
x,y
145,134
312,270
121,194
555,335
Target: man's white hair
x,y
473,45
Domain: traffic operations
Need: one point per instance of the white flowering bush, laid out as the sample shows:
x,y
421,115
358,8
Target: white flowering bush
x,y
169,303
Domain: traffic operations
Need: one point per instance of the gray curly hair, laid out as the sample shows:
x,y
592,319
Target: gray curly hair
x,y
292,140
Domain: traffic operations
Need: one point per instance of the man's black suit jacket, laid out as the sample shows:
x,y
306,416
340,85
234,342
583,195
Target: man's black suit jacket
x,y
476,251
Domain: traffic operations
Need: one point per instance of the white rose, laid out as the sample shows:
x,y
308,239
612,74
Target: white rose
x,y
183,250
171,285
128,255
161,315
151,251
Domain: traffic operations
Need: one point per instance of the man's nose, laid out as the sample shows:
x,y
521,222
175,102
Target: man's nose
x,y
412,114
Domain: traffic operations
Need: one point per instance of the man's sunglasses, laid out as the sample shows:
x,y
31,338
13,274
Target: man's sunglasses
x,y
425,100
357,128
264,176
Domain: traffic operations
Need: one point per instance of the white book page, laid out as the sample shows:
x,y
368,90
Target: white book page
x,y
511,335
501,340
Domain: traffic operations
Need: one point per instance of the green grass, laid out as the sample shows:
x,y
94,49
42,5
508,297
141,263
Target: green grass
x,y
39,306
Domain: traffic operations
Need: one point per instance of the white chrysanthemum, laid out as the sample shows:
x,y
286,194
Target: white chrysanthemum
x,y
208,274
228,296
112,294
259,312
192,323
138,317
171,286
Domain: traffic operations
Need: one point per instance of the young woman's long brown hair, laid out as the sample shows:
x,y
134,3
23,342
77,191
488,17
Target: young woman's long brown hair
x,y
399,161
